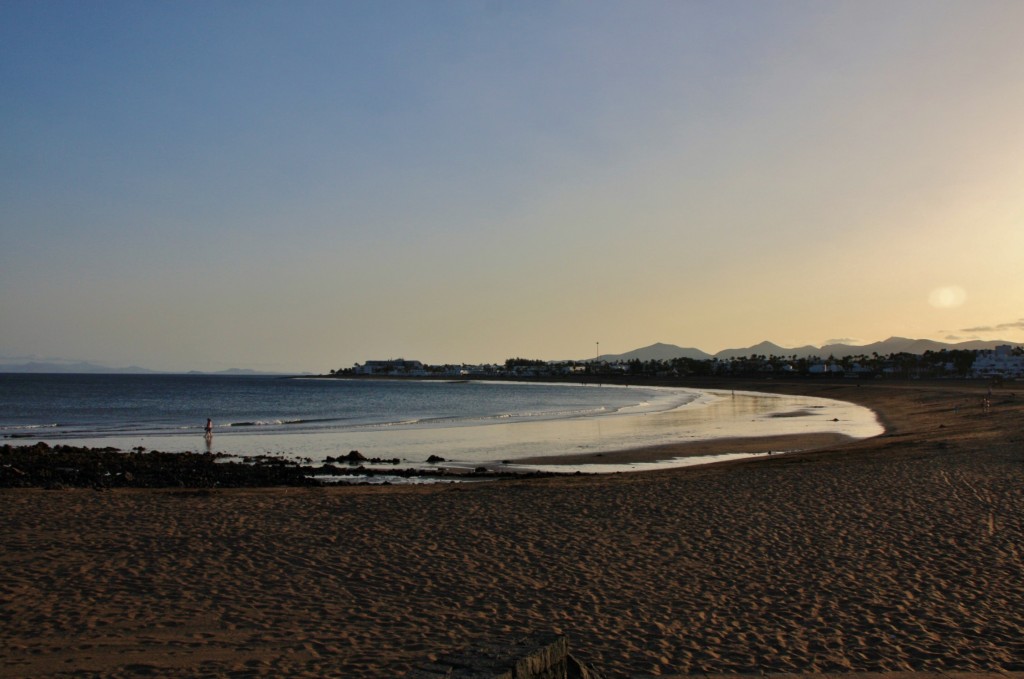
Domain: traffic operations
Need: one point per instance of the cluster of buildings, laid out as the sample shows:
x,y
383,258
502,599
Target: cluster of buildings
x,y
400,367
392,367
1003,362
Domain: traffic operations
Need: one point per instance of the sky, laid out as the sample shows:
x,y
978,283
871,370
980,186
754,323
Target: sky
x,y
300,186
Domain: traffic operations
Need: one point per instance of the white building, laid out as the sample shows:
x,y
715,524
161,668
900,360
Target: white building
x,y
1000,362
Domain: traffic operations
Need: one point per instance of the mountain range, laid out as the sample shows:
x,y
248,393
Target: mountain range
x,y
68,367
893,345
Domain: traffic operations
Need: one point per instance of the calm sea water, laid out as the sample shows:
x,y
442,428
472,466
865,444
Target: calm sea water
x,y
465,422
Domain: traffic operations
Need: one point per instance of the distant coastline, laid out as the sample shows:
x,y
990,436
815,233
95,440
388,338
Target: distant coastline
x,y
655,352
86,368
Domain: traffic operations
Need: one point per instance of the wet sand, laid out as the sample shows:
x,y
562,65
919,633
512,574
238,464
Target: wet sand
x,y
709,447
900,553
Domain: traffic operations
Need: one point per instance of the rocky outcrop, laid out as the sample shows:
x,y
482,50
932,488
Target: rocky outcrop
x,y
61,466
540,656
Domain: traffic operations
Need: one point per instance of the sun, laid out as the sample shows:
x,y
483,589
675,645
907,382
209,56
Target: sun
x,y
947,297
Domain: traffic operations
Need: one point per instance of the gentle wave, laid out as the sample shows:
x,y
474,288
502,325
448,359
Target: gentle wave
x,y
22,427
346,424
255,423
279,422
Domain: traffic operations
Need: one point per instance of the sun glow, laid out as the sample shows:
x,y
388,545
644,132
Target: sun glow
x,y
947,297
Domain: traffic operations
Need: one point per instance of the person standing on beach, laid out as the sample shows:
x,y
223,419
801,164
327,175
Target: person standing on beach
x,y
209,428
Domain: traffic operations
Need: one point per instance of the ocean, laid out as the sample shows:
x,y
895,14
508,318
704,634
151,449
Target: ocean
x,y
466,422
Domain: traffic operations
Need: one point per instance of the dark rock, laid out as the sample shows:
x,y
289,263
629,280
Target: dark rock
x,y
67,466
35,466
434,459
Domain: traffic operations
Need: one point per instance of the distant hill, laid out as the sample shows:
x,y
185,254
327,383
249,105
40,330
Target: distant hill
x,y
657,352
893,345
768,349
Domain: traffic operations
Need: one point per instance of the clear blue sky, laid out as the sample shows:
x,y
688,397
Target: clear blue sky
x,y
304,185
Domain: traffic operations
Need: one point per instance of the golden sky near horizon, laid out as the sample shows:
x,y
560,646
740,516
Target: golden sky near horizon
x,y
304,186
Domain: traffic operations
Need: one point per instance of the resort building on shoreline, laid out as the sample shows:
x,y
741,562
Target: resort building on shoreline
x,y
999,362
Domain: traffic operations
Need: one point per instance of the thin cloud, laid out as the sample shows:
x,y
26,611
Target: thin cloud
x,y
1015,325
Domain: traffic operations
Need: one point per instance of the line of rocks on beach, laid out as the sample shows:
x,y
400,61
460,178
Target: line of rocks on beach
x,y
63,466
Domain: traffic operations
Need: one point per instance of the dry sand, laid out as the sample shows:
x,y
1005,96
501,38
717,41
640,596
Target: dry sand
x,y
900,553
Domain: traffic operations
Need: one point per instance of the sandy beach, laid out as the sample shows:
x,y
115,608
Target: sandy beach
x,y
900,553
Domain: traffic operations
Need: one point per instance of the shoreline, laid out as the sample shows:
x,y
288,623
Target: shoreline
x,y
899,553
749,445
717,424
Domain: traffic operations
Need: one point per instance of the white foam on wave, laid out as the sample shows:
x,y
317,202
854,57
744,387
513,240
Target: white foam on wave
x,y
256,423
665,399
29,427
